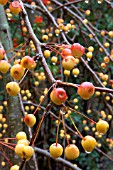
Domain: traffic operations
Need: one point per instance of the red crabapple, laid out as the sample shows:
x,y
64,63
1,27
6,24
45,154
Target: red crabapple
x,y
77,50
58,96
86,90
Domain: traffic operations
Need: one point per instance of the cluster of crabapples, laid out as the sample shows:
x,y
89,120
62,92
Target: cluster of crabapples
x,y
17,71
58,96
22,148
72,151
70,55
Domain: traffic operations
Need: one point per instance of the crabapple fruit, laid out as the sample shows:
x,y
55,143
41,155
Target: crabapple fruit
x,y
17,71
77,50
30,120
58,96
66,52
14,167
68,62
44,37
12,88
86,90
102,126
28,151
21,135
27,62
4,66
15,7
23,141
88,143
71,152
47,53
19,149
56,150
2,52
3,2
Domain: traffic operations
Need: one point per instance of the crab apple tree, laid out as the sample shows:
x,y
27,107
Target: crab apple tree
x,y
56,84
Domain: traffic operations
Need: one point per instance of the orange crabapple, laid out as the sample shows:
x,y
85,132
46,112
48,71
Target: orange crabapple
x,y
109,117
17,71
56,150
71,21
66,28
103,65
30,120
12,88
27,62
3,2
24,29
61,26
15,7
71,151
58,96
60,20
69,26
90,36
87,12
17,61
50,8
103,32
3,163
106,59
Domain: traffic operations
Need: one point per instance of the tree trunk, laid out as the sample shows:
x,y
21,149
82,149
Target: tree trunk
x,y
14,114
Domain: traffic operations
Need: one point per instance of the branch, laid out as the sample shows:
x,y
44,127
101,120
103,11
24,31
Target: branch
x,y
30,133
66,4
37,44
85,25
71,130
58,160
